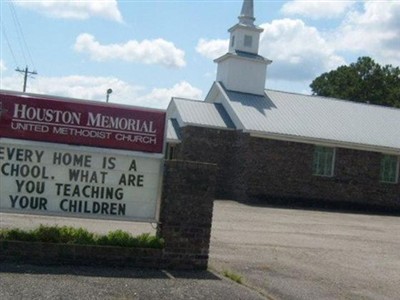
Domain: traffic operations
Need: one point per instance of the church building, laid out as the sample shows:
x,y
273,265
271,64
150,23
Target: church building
x,y
281,147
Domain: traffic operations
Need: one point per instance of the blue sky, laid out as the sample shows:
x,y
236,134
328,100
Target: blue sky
x,y
149,51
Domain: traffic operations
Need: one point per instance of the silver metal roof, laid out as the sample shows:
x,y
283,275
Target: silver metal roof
x,y
320,118
203,114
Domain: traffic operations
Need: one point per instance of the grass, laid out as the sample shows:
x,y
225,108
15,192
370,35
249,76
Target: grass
x,y
233,276
71,235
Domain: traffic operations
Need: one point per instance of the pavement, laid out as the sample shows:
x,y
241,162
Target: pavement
x,y
279,254
67,282
304,254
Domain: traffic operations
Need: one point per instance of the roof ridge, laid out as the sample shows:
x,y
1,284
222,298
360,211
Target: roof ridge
x,y
337,99
187,99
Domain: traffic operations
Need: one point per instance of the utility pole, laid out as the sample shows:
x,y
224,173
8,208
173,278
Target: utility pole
x,y
26,72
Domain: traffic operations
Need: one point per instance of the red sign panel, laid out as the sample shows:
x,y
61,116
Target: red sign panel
x,y
81,123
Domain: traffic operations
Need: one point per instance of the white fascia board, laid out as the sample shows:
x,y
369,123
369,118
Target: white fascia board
x,y
173,141
250,28
264,60
173,113
325,142
212,93
171,109
209,126
229,108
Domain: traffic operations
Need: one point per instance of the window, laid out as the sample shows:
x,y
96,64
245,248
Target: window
x,y
171,152
389,169
248,41
232,41
323,163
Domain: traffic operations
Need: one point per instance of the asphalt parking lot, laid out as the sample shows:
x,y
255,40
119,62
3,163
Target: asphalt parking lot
x,y
279,253
299,254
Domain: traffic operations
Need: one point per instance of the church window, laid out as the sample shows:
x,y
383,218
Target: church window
x,y
248,41
171,152
232,41
389,169
323,163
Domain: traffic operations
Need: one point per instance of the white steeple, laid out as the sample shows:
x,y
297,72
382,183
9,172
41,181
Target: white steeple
x,y
245,35
247,15
242,69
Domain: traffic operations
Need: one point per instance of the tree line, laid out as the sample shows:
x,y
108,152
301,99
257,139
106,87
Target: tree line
x,y
364,81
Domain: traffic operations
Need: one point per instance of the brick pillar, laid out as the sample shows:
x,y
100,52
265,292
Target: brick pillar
x,y
186,213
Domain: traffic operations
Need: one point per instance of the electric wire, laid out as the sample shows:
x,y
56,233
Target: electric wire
x,y
3,29
20,35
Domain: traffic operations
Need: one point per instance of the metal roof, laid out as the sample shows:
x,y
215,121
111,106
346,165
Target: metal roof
x,y
203,114
313,117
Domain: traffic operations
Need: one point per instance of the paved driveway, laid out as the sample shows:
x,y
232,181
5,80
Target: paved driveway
x,y
298,254
283,253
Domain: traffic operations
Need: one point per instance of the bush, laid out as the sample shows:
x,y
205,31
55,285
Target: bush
x,y
71,235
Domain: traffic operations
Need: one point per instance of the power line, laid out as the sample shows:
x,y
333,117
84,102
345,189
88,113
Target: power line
x,y
26,73
8,43
20,35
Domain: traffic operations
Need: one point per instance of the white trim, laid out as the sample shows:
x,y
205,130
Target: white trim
x,y
323,142
223,99
207,126
173,141
260,59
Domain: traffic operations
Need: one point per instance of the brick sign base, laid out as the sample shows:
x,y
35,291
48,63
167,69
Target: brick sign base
x,y
185,224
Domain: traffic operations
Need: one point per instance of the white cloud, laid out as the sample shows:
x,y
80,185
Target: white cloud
x,y
298,51
317,9
158,51
374,31
75,86
160,97
94,88
212,48
71,9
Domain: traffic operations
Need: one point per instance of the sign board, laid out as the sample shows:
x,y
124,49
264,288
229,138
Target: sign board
x,y
80,181
77,181
81,123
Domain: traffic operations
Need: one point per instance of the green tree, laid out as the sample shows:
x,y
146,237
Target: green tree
x,y
363,81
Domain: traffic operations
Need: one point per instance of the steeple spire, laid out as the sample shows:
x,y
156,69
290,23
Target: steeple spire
x,y
242,69
247,14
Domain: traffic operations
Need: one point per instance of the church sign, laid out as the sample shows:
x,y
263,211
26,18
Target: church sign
x,y
81,123
111,167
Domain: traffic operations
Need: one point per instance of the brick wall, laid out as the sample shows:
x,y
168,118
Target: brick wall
x,y
211,146
280,171
186,213
185,224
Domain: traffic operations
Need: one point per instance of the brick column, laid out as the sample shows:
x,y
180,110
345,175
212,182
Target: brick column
x,y
186,213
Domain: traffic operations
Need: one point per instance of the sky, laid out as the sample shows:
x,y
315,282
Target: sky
x,y
149,51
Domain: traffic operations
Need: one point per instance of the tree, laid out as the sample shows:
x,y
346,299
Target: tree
x,y
363,81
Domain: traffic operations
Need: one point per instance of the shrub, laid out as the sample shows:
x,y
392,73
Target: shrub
x,y
71,235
